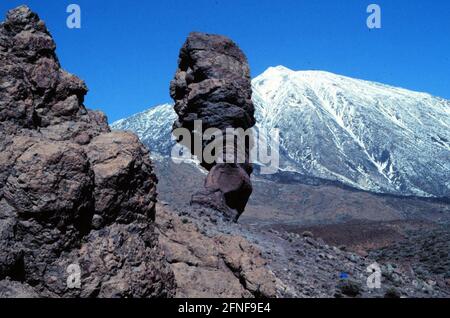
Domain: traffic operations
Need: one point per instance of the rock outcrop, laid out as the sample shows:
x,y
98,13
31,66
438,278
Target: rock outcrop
x,y
71,191
209,261
212,87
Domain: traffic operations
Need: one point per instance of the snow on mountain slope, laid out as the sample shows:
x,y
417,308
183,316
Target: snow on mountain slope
x,y
368,135
364,134
153,127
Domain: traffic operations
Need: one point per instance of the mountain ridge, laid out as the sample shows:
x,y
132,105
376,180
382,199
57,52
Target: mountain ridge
x,y
367,135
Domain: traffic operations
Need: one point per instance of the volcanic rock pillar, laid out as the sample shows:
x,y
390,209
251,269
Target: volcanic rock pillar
x,y
212,93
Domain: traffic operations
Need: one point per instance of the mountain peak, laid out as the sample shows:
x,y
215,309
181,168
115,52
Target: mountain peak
x,y
281,68
367,135
276,70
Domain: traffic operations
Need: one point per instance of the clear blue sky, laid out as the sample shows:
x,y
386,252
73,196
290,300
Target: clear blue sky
x,y
126,51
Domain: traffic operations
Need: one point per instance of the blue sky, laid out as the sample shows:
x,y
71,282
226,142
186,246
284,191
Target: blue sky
x,y
127,51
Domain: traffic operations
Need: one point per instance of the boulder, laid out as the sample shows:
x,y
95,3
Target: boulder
x,y
71,191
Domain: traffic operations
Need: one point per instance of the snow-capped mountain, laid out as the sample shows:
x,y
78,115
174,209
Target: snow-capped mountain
x,y
366,135
153,127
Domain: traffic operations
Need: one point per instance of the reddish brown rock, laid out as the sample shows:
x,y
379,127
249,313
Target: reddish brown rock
x,y
71,191
212,84
215,265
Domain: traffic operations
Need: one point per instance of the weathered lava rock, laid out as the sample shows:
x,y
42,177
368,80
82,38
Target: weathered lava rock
x,y
212,85
71,191
210,263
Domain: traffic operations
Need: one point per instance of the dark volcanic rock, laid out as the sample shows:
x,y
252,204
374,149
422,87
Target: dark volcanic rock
x,y
212,85
425,251
71,191
348,288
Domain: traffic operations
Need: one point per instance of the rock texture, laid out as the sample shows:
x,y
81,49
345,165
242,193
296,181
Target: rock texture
x,y
209,262
426,252
215,258
212,85
71,191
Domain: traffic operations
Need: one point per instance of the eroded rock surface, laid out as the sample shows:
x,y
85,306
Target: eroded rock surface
x,y
209,262
276,263
71,191
212,86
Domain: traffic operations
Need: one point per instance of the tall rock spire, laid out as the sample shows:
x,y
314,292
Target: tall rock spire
x,y
72,193
212,86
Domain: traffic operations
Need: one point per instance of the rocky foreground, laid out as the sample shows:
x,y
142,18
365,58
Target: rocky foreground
x,y
71,191
74,193
211,257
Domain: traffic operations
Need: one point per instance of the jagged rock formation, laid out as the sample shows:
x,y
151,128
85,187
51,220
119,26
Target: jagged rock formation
x,y
212,85
71,191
